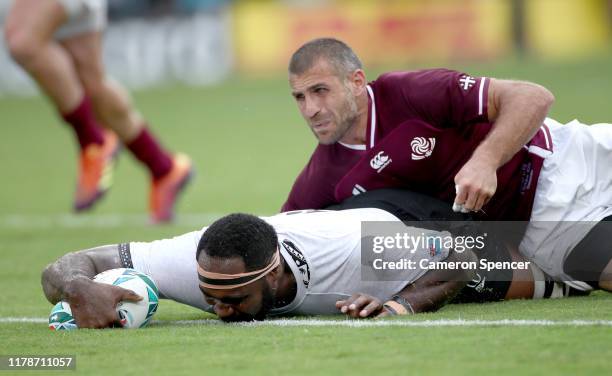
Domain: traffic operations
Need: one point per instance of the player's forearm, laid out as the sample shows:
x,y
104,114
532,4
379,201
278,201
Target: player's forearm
x,y
434,296
437,287
60,276
67,275
518,110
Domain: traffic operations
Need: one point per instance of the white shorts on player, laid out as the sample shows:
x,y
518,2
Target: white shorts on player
x,y
575,185
83,16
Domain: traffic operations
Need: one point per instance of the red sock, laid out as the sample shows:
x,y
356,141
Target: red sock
x,y
84,124
146,148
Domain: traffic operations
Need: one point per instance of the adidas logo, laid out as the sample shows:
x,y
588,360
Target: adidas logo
x,y
357,190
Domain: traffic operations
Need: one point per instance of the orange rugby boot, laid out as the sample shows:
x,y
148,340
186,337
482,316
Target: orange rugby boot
x,y
96,165
165,190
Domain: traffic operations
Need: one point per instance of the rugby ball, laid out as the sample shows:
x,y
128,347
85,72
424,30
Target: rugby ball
x,y
61,318
132,314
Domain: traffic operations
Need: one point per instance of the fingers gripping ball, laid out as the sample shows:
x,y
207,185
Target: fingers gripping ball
x,y
133,314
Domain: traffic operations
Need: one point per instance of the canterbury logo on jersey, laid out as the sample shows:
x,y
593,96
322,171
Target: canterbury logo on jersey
x,y
422,147
299,259
380,161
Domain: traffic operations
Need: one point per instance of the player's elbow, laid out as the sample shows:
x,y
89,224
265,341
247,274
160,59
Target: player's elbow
x,y
541,98
53,275
46,279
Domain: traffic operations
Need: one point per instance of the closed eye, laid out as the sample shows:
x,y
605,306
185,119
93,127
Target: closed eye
x,y
231,300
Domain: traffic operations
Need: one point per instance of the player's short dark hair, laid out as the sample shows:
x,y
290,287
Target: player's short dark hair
x,y
332,50
240,235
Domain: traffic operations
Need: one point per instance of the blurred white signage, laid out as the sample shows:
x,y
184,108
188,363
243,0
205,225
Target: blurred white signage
x,y
196,50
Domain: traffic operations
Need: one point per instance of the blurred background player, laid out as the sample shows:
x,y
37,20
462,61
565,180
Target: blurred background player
x,y
59,44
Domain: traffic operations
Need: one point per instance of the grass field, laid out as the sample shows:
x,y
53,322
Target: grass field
x,y
248,143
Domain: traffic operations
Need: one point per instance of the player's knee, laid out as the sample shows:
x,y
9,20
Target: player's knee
x,y
605,285
21,45
605,279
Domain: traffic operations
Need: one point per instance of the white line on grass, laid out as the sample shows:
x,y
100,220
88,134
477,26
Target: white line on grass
x,y
408,323
357,323
26,320
46,221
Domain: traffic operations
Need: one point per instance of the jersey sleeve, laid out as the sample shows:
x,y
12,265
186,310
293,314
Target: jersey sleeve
x,y
314,187
441,97
299,198
172,265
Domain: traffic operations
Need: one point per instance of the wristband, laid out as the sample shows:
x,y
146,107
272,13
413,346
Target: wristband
x,y
398,305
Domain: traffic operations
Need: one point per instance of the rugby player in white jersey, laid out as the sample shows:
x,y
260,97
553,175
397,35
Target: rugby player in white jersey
x,y
297,263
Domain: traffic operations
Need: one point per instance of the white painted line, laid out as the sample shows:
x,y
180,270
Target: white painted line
x,y
356,323
25,320
398,323
73,221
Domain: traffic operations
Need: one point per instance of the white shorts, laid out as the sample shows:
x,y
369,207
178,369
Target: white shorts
x,y
83,16
575,185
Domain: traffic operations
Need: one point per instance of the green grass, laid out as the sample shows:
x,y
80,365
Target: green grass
x,y
248,143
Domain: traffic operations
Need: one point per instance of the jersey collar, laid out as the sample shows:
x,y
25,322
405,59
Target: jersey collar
x,y
301,289
371,129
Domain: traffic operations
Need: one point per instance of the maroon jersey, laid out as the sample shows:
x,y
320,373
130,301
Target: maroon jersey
x,y
422,128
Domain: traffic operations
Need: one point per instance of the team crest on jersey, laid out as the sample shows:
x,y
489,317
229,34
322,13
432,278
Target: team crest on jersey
x,y
299,259
466,82
380,161
422,147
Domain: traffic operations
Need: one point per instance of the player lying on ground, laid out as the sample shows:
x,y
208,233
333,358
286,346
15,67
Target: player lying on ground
x,y
481,144
301,263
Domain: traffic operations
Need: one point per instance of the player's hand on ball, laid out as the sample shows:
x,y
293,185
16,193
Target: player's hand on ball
x,y
475,184
360,306
93,304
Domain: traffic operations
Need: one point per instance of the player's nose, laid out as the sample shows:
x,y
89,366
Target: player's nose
x,y
224,310
311,108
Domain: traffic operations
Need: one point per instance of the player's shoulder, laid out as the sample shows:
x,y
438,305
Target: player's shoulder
x,y
325,218
398,79
326,159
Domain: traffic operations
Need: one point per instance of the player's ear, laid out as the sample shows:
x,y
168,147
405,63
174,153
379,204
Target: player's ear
x,y
274,276
358,81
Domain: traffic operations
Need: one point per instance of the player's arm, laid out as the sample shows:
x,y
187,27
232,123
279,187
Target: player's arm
x,y
70,279
428,293
517,110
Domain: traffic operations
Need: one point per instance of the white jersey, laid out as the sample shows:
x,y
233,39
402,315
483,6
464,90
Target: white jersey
x,y
574,193
322,248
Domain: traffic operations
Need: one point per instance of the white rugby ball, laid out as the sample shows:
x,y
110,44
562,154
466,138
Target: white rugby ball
x,y
133,314
61,318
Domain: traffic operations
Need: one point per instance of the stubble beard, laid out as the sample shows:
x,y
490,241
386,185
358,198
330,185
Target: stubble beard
x,y
267,303
346,122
